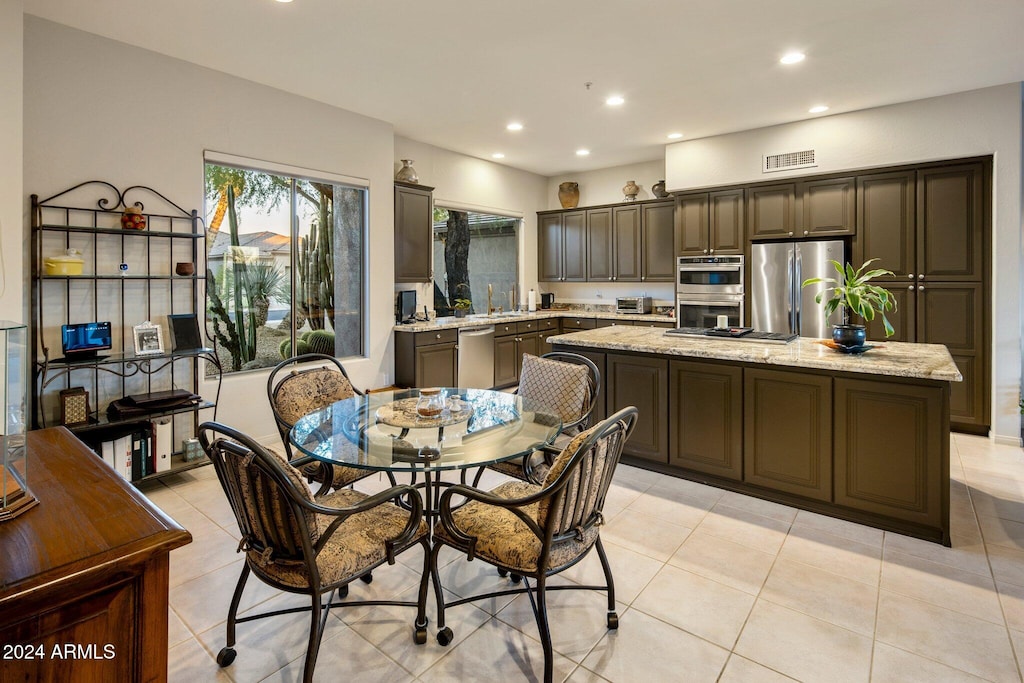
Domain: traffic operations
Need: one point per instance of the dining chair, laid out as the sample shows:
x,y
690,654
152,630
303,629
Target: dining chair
x,y
537,530
294,392
301,543
567,384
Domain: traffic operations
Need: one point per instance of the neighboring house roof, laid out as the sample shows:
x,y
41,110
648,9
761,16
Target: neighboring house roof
x,y
268,243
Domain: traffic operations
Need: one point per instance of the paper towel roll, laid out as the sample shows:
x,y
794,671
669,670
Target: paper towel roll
x,y
531,302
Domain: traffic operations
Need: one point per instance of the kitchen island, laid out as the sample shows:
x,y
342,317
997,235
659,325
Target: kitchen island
x,y
858,437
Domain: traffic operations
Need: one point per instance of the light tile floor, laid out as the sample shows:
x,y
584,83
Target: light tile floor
x,y
713,586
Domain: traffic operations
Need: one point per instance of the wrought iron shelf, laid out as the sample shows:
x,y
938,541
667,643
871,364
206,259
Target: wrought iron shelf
x,y
102,421
122,277
123,358
50,227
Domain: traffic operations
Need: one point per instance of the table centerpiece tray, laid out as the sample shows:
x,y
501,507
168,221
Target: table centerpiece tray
x,y
402,413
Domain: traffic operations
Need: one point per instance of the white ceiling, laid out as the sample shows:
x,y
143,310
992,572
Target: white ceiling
x,y
453,73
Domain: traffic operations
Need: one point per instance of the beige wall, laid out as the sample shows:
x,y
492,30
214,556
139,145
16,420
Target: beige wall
x,y
966,124
99,109
12,196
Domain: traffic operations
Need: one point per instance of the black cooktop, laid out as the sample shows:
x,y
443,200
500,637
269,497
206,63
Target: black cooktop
x,y
734,333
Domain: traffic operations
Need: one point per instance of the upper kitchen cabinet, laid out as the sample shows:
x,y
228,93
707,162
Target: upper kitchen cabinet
x,y
414,233
950,219
810,208
828,207
885,223
562,246
621,243
771,210
657,261
709,223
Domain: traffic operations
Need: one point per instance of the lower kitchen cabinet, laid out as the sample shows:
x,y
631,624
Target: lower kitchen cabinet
x,y
641,381
706,418
511,341
599,413
427,359
887,450
787,433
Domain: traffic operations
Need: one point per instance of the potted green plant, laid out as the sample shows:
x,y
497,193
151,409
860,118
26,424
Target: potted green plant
x,y
852,292
461,307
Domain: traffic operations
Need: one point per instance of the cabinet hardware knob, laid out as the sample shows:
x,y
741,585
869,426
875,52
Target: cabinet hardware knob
x,y
711,251
806,233
643,277
705,251
921,276
911,276
609,278
790,234
920,288
911,288
439,336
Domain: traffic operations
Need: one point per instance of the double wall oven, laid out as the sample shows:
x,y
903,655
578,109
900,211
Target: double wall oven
x,y
707,287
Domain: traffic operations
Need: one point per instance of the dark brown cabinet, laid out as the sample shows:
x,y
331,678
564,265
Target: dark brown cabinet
x,y
570,324
886,226
710,223
599,413
771,211
426,359
787,436
627,243
562,246
889,458
511,341
829,207
657,260
414,233
929,227
641,381
705,403
549,327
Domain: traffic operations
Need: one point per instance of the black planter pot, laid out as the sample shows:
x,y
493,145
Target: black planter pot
x,y
849,336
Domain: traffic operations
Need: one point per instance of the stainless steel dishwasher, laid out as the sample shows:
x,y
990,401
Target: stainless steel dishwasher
x,y
476,357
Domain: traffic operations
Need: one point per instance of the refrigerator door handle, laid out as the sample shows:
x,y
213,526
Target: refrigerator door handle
x,y
789,289
798,288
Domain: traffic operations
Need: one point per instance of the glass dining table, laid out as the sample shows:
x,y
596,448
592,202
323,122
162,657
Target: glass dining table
x,y
384,431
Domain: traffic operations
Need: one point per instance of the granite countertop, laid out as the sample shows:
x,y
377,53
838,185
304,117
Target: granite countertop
x,y
478,320
896,359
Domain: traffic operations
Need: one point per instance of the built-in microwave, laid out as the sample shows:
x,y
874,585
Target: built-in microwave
x,y
709,274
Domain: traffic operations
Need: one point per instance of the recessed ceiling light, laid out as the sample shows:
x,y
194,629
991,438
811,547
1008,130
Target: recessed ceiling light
x,y
284,0
582,152
674,136
615,100
514,126
497,155
818,109
792,57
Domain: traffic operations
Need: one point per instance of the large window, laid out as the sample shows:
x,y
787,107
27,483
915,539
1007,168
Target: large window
x,y
471,251
286,265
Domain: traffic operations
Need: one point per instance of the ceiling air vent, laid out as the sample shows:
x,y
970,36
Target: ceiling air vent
x,y
788,160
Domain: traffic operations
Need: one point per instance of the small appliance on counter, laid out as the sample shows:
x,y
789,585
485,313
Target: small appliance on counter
x,y
634,304
546,300
405,310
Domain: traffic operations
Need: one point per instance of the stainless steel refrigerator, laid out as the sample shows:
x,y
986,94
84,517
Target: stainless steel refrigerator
x,y
778,303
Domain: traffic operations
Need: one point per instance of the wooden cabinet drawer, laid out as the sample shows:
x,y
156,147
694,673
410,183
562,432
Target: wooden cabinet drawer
x,y
569,324
550,324
437,337
609,322
527,326
503,329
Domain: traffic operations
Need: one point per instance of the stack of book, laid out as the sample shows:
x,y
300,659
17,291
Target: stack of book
x,y
141,450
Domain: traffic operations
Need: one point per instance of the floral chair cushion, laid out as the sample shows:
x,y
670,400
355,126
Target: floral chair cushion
x,y
563,387
356,545
304,391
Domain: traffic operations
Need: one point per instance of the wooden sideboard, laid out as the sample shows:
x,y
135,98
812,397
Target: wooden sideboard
x,y
83,575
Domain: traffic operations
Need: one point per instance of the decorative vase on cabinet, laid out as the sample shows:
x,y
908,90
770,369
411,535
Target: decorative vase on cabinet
x,y
631,190
407,174
569,195
658,189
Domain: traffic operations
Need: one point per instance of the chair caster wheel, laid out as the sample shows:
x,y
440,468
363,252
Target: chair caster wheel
x,y
515,578
226,656
613,621
421,635
445,636
366,578
502,573
343,592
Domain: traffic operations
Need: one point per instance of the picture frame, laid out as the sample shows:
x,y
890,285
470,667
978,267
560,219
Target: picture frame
x,y
74,406
148,339
183,330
